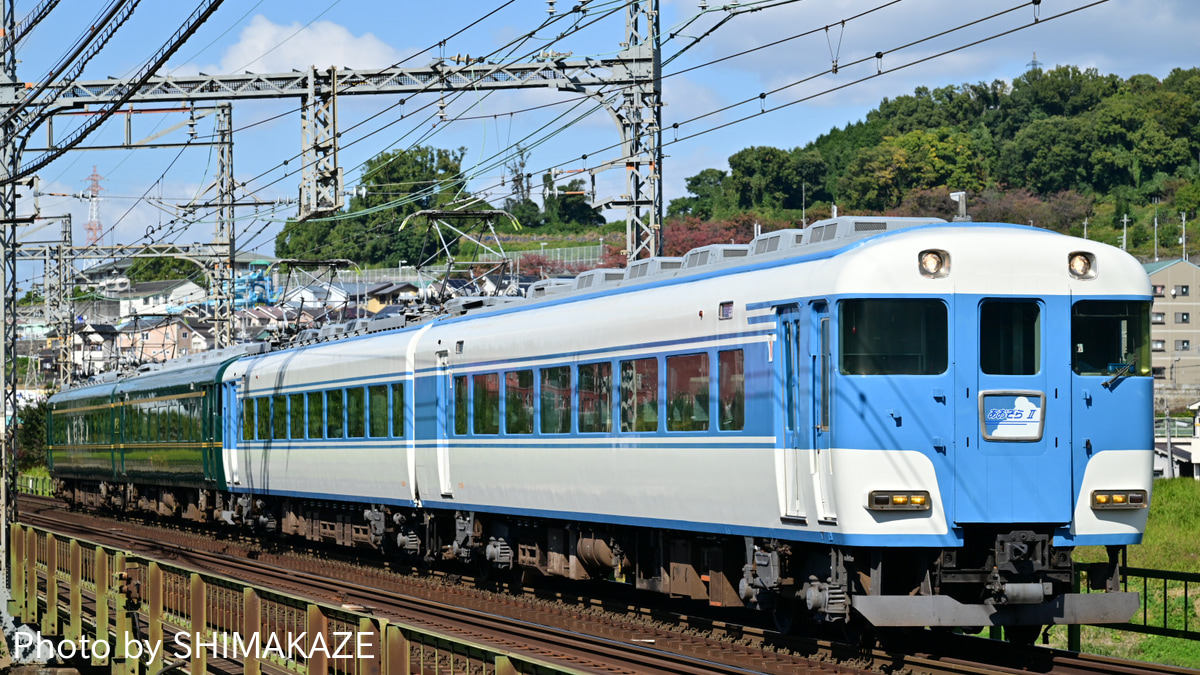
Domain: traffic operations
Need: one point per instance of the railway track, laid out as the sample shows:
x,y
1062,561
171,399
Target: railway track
x,y
588,634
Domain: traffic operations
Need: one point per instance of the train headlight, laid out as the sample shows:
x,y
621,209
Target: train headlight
x,y
1119,499
933,263
898,500
1082,265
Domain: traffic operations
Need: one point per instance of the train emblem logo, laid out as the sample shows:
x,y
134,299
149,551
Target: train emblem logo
x,y
1012,417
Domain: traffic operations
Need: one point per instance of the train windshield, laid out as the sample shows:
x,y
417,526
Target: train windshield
x,y
1110,337
893,337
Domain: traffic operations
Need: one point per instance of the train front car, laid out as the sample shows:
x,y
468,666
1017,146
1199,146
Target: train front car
x,y
974,422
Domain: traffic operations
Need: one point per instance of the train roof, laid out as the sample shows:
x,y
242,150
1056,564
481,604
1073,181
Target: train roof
x,y
202,367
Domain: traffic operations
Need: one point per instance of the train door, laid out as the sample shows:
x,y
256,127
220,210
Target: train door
x,y
821,457
1013,464
795,432
232,427
444,422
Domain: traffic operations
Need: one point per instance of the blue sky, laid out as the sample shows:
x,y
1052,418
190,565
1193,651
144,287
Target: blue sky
x,y
1119,36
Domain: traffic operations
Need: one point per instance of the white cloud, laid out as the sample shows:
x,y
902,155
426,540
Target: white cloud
x,y
267,47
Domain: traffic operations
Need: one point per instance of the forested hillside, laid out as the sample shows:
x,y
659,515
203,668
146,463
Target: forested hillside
x,y
1053,148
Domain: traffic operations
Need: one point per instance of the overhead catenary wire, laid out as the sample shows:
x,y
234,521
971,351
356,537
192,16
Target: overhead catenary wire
x,y
892,50
879,73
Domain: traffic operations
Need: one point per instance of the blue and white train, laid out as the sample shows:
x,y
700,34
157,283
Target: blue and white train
x,y
904,420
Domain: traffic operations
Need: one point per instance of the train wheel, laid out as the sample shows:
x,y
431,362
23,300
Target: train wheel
x,y
784,616
858,632
1022,635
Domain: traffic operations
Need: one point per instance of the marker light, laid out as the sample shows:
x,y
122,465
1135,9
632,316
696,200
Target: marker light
x,y
1119,499
1081,265
898,500
933,263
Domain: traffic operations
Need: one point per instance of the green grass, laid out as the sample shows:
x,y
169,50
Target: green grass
x,y
1170,543
39,471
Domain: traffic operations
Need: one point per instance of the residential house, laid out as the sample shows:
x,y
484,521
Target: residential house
x,y
158,298
163,339
390,293
95,348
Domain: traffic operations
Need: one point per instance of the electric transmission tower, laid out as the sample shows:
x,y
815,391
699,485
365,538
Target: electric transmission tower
x,y
93,228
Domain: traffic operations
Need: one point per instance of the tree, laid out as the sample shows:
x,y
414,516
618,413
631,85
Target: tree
x,y
880,176
397,183
763,178
31,435
708,196
568,204
165,269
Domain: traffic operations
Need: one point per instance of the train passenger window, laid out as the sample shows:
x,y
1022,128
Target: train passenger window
x,y
316,414
639,395
687,392
193,412
280,418
398,410
296,415
556,400
151,423
132,423
518,402
460,405
1010,337
487,403
247,420
893,337
263,406
377,397
335,420
595,398
1110,337
731,390
356,412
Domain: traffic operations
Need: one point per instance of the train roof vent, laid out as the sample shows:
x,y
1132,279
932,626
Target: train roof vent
x,y
540,289
779,240
650,266
387,323
357,326
715,254
332,330
308,334
467,303
869,226
847,228
598,277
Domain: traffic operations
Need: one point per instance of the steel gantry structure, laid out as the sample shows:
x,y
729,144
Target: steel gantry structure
x,y
627,86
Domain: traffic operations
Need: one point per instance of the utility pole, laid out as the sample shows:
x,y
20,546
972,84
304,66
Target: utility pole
x,y
10,88
1125,232
1183,237
1156,229
223,240
1085,224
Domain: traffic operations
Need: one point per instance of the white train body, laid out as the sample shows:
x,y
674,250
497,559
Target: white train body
x,y
884,416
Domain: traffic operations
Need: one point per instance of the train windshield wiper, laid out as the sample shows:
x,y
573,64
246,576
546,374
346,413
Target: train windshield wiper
x,y
1121,372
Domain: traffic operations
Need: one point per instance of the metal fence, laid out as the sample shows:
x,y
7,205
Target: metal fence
x,y
1180,427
